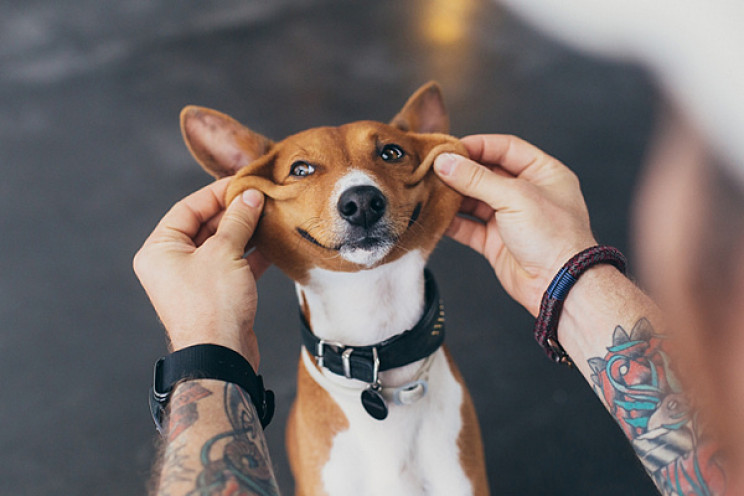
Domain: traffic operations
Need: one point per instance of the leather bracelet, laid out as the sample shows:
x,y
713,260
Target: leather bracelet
x,y
207,361
546,326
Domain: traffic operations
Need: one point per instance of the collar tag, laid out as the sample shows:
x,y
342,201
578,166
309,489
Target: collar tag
x,y
374,403
372,399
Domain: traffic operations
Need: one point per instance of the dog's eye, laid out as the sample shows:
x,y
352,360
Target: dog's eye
x,y
391,153
302,169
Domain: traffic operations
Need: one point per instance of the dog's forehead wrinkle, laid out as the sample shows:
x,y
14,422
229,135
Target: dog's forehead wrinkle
x,y
322,144
300,152
344,147
368,135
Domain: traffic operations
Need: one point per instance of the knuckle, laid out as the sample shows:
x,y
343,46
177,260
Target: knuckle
x,y
139,261
512,142
234,229
475,177
241,222
512,139
573,177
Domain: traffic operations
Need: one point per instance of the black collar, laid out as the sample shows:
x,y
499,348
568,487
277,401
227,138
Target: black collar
x,y
358,362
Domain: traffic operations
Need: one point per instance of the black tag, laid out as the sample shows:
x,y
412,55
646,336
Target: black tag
x,y
374,403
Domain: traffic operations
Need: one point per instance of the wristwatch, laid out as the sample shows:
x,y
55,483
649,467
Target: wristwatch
x,y
207,361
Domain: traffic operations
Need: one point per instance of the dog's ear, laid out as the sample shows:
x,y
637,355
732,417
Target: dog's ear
x,y
431,146
424,112
220,144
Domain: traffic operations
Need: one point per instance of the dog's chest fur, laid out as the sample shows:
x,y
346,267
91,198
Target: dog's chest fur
x,y
415,449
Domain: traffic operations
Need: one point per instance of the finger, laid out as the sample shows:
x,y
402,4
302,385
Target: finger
x,y
514,154
477,209
497,169
240,220
468,232
474,180
475,235
186,217
207,230
258,263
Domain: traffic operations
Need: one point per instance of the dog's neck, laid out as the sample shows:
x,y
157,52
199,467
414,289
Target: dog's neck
x,y
366,307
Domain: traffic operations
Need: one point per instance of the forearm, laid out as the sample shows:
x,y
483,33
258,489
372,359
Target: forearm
x,y
602,300
615,336
214,444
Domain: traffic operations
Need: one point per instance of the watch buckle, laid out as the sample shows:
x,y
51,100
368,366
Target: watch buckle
x,y
158,399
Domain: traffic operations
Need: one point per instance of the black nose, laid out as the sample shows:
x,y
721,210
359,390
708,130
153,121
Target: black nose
x,y
362,205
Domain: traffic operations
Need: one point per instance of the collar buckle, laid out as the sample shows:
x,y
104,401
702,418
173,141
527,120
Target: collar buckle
x,y
319,350
375,366
346,361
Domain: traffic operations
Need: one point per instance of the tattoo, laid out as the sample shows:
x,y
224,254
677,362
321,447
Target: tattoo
x,y
241,465
183,411
636,381
176,461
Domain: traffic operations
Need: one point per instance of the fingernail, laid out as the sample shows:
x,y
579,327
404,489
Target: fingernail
x,y
252,197
445,164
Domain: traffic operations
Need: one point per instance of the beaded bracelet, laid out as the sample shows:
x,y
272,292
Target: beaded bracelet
x,y
546,326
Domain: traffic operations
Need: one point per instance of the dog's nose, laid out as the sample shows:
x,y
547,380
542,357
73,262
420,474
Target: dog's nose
x,y
362,205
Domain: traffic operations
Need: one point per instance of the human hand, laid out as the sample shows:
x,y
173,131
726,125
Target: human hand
x,y
525,212
194,271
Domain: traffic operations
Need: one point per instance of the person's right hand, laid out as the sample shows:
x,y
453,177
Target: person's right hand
x,y
525,212
194,270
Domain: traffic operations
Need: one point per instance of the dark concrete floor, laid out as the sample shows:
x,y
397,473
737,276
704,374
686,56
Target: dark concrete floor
x,y
91,157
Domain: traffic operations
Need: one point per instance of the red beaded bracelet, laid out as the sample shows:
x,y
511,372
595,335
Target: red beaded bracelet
x,y
546,326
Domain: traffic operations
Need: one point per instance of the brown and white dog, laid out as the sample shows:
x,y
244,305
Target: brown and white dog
x,y
351,215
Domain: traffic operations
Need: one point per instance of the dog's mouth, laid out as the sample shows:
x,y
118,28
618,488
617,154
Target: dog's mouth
x,y
314,241
363,243
414,215
374,239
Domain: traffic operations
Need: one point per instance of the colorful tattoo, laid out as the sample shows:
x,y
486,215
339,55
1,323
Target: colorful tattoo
x,y
635,380
241,466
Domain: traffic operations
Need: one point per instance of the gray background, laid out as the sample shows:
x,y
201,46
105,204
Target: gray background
x,y
91,157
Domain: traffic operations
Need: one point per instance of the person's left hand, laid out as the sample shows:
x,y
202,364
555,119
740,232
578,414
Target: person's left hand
x,y
194,270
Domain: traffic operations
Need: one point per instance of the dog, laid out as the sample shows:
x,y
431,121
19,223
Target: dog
x,y
351,215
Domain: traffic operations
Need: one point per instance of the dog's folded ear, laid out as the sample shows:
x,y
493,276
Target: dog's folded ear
x,y
424,112
220,144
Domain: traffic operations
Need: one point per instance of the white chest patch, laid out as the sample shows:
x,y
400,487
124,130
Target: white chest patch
x,y
369,306
412,452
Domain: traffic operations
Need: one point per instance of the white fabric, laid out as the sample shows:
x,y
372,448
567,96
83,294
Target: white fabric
x,y
694,47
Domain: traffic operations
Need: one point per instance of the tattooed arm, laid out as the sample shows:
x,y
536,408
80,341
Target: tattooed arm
x,y
204,291
215,444
525,213
614,334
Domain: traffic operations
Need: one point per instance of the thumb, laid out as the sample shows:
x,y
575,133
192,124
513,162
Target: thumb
x,y
240,220
473,179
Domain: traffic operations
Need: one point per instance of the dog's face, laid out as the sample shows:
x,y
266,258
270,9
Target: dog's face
x,y
342,198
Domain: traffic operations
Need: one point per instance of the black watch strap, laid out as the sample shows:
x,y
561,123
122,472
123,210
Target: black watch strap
x,y
207,361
